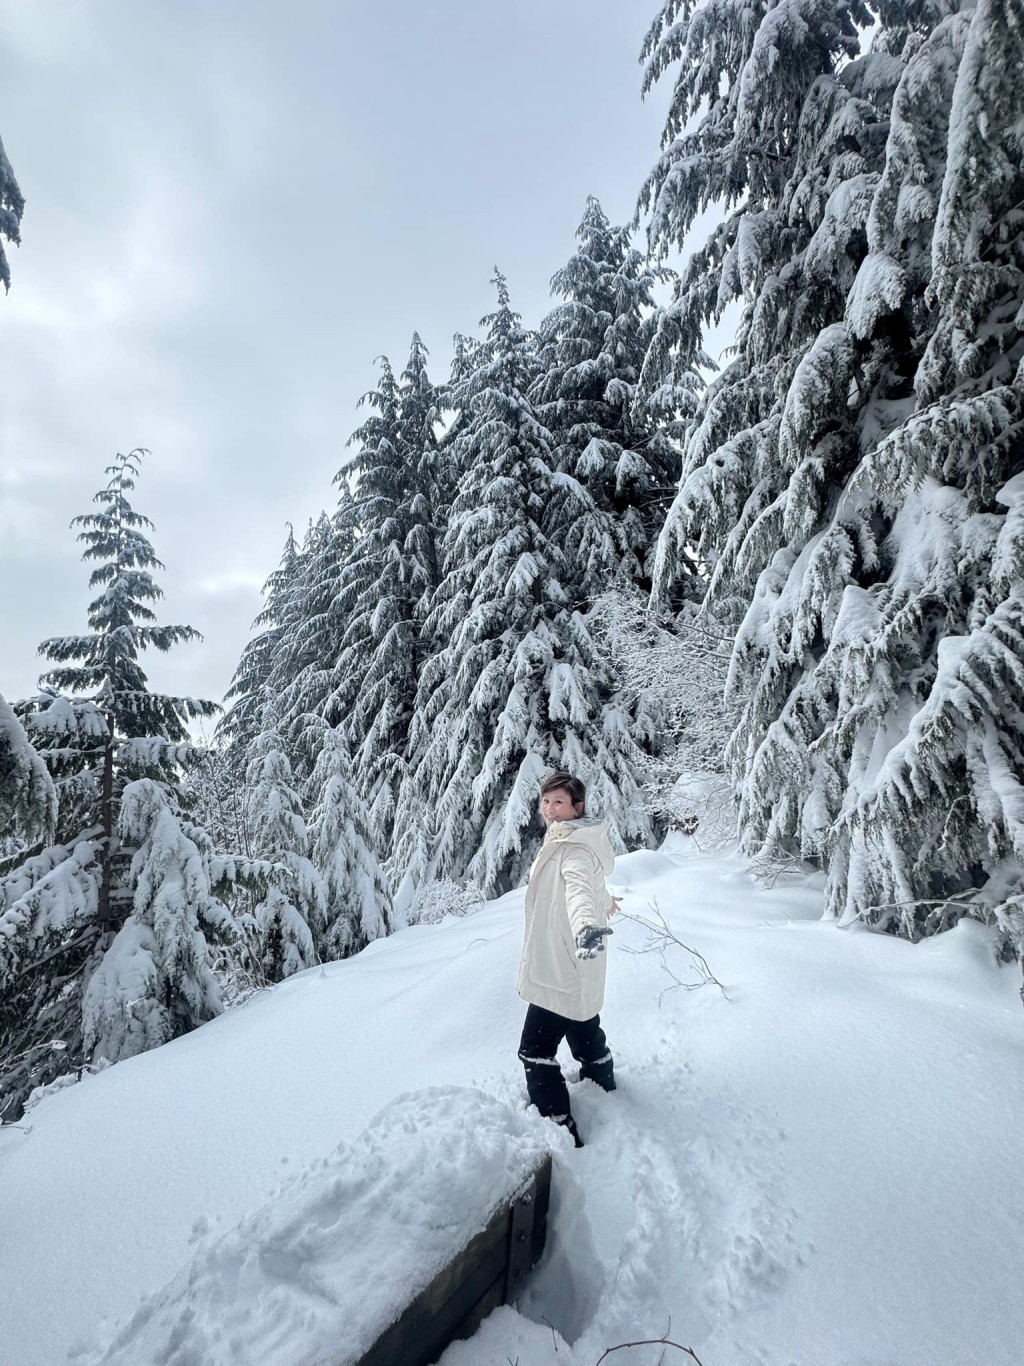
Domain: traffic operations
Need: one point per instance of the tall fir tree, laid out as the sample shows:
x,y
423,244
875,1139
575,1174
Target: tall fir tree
x,y
387,581
935,828
620,441
851,483
259,670
291,659
69,911
356,893
290,915
304,680
517,685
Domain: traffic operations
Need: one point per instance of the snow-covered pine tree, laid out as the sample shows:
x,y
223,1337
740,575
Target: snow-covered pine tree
x,y
290,915
63,910
291,659
28,801
421,409
12,206
387,581
374,478
303,681
357,898
620,443
929,665
773,119
847,480
154,981
518,684
260,666
217,797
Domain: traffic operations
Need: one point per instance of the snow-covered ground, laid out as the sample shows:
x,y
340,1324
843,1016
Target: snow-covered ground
x,y
821,1166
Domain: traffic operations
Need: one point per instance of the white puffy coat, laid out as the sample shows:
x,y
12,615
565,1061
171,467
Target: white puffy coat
x,y
567,891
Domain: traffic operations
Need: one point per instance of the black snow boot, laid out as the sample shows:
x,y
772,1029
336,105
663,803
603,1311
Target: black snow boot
x,y
603,1073
570,1124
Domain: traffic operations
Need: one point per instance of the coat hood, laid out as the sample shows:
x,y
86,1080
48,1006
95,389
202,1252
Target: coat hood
x,y
588,831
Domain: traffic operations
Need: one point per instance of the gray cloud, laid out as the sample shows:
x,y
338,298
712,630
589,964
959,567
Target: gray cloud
x,y
231,211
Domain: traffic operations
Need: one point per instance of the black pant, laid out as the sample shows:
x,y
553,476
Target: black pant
x,y
542,1033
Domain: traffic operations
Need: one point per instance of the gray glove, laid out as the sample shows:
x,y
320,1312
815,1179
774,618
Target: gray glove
x,y
590,941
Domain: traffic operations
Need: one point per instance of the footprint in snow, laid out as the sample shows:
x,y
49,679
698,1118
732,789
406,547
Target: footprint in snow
x,y
682,1196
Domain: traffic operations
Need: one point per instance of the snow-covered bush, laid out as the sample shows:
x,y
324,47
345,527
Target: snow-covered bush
x,y
434,901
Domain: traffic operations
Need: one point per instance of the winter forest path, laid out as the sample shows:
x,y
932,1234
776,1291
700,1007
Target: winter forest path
x,y
820,1170
769,1160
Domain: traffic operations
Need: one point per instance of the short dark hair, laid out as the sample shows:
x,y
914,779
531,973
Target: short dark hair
x,y
565,782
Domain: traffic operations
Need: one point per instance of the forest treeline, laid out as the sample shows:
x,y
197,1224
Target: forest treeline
x,y
588,547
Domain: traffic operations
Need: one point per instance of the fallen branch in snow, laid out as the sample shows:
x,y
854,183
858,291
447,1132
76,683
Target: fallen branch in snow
x,y
924,901
1013,931
650,1342
660,938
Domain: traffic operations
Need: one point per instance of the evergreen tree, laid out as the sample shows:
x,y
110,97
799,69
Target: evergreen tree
x,y
259,668
620,442
518,684
421,412
304,679
291,913
62,910
12,206
774,116
358,902
850,484
342,644
291,661
154,981
28,801
935,828
387,582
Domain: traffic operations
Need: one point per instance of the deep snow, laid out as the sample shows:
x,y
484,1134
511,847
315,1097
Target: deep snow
x,y
821,1168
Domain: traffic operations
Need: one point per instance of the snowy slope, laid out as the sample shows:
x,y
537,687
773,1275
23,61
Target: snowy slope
x,y
822,1168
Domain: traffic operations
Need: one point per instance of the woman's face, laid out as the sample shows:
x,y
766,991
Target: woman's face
x,y
557,805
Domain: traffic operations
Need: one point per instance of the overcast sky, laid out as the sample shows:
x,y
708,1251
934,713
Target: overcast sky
x,y
232,209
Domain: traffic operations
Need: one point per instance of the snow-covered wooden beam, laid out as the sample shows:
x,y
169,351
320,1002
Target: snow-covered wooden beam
x,y
488,1271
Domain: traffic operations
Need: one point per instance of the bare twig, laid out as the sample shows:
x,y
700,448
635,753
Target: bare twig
x,y
650,1342
660,939
771,865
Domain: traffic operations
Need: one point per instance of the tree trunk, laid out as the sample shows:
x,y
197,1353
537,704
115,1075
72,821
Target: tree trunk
x,y
105,915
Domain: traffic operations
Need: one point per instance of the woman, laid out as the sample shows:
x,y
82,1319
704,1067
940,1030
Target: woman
x,y
562,971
